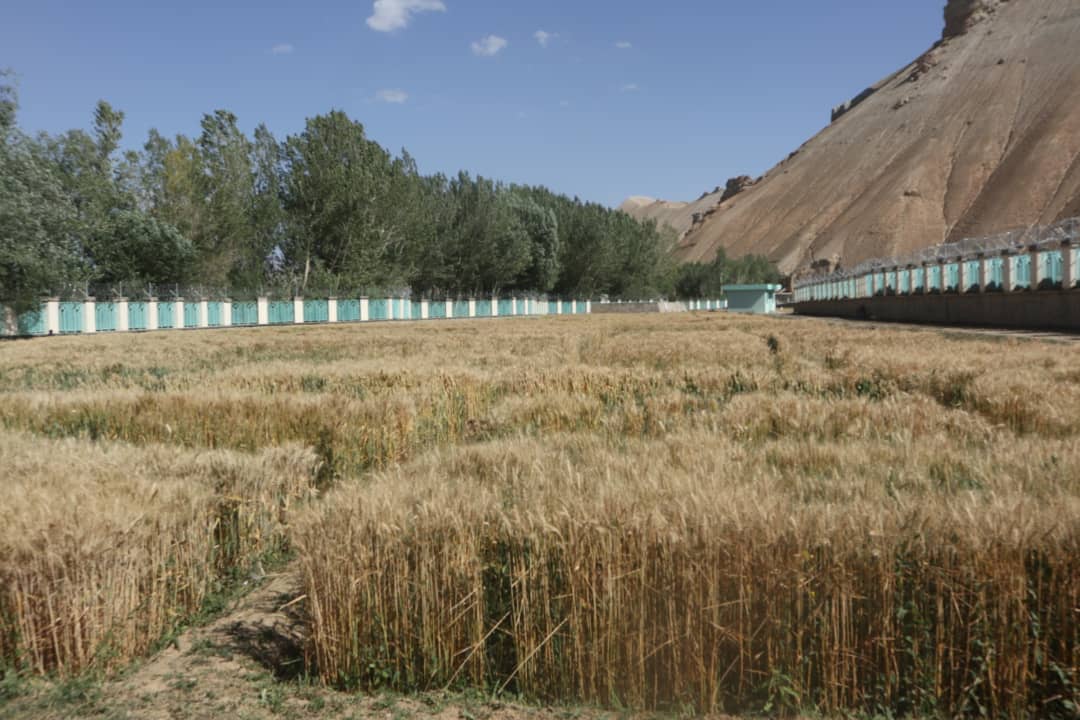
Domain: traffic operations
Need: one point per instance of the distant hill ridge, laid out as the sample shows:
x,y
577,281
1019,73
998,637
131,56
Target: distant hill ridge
x,y
979,134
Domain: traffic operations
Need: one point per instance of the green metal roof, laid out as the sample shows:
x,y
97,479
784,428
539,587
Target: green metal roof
x,y
752,288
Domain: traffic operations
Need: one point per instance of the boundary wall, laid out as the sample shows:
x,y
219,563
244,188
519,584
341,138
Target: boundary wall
x,y
57,317
1037,311
622,307
1023,279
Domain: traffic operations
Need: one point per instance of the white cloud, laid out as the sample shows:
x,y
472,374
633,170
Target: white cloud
x,y
624,45
544,37
282,49
630,87
392,96
390,15
489,46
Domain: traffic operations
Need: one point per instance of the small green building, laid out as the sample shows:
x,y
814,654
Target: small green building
x,y
757,299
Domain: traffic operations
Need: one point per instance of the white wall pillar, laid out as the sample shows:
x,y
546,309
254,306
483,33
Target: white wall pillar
x,y
89,317
298,310
1007,283
425,310
984,273
1036,270
449,308
9,322
494,306
52,316
588,307
331,310
513,306
1068,268
151,314
178,314
226,313
558,307
262,311
204,314
472,308
365,309
123,317
961,276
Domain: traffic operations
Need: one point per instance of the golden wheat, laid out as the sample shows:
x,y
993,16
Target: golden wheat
x,y
643,511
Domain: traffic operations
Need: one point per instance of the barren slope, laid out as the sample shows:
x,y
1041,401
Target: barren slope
x,y
980,134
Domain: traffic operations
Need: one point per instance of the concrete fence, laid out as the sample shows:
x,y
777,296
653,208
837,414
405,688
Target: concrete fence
x,y
1034,259
60,317
92,315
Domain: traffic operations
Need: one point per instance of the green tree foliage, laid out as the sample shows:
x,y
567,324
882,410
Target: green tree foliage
x,y
339,195
699,280
327,209
267,217
224,181
39,249
140,249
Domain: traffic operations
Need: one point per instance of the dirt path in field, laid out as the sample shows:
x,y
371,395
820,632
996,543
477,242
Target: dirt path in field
x,y
249,664
214,669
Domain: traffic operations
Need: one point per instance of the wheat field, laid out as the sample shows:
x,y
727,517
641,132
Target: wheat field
x,y
704,512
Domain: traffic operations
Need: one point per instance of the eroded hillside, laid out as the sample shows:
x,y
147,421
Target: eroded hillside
x,y
980,133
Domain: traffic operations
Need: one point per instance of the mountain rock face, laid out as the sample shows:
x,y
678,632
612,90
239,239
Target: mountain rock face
x,y
978,135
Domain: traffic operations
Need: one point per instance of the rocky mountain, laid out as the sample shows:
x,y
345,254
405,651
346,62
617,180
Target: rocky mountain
x,y
979,134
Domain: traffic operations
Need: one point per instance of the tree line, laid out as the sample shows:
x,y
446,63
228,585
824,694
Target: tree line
x,y
326,210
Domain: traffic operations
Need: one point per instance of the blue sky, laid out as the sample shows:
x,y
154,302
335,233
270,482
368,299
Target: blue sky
x,y
667,99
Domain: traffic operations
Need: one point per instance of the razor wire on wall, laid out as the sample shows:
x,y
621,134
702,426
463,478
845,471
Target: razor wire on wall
x,y
1012,242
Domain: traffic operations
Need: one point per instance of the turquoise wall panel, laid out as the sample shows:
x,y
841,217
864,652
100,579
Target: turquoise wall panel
x,y
245,313
105,316
952,277
165,312
461,308
71,320
416,309
567,307
995,273
483,308
1022,271
506,307
281,312
32,322
522,307
316,311
191,314
138,316
971,271
214,313
579,307
348,310
378,309
1051,269
437,309
553,307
